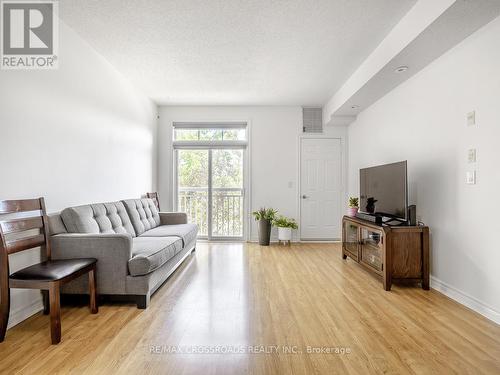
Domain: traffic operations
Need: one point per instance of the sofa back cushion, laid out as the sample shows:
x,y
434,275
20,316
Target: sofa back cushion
x,y
143,214
56,224
96,218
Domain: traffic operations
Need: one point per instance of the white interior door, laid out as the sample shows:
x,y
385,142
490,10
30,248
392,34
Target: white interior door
x,y
321,188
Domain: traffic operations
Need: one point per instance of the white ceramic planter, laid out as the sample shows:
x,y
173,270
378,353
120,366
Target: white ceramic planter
x,y
284,234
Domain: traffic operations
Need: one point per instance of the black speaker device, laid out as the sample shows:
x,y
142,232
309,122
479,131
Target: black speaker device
x,y
412,215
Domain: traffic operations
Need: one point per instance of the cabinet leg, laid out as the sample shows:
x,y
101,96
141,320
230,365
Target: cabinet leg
x,y
344,256
386,282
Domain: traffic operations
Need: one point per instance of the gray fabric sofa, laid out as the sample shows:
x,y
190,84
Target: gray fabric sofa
x,y
137,248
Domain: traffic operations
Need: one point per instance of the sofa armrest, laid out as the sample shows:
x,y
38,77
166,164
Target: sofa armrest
x,y
112,251
172,218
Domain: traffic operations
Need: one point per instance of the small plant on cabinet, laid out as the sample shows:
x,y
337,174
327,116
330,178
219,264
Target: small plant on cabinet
x,y
353,206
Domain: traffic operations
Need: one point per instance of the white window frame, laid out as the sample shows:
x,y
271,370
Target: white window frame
x,y
211,145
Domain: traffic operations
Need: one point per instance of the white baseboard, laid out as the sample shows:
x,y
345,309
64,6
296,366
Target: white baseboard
x,y
24,313
296,240
465,299
273,240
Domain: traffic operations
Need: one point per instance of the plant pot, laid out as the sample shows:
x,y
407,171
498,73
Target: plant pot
x,y
264,232
352,211
284,234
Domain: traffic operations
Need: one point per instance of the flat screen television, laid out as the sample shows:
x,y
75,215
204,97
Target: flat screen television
x,y
384,190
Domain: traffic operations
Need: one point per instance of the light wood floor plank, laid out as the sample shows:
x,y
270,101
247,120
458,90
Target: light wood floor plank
x,y
241,295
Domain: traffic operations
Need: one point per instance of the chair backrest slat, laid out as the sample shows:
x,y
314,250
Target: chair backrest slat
x,y
26,243
21,225
9,207
156,199
23,216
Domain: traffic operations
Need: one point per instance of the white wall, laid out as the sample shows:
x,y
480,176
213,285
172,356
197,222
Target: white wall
x,y
274,152
274,132
75,135
424,121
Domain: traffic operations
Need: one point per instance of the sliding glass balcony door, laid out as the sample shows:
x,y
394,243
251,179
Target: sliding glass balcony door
x,y
210,189
192,187
226,193
209,162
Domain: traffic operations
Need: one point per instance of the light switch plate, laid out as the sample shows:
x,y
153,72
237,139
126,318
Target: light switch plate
x,y
471,155
471,118
470,178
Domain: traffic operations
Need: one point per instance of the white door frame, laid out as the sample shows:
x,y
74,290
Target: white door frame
x,y
299,163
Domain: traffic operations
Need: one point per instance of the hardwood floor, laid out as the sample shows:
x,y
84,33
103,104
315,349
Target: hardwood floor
x,y
232,296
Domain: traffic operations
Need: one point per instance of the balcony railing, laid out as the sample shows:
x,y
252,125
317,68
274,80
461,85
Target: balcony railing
x,y
227,210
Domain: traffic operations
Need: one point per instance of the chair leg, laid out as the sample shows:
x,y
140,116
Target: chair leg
x,y
4,295
55,312
93,292
46,303
4,311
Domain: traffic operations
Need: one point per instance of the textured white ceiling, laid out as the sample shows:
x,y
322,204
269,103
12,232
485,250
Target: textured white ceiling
x,y
252,52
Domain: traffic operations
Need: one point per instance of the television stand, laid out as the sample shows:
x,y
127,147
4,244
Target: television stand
x,y
395,253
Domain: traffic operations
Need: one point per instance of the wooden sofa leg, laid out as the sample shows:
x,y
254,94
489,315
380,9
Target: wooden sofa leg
x,y
55,312
93,292
143,302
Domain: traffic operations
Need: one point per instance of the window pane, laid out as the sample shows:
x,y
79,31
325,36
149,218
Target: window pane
x,y
186,134
227,197
192,187
227,168
193,168
210,134
227,213
207,134
234,134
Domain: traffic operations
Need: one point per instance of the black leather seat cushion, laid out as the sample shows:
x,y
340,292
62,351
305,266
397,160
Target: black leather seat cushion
x,y
52,270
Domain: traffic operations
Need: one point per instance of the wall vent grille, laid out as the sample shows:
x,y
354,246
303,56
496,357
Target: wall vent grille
x,y
312,120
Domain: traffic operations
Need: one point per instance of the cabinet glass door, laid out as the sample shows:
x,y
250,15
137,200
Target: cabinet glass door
x,y
371,248
351,238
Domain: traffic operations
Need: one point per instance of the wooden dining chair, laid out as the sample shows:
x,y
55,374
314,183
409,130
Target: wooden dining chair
x,y
24,226
154,196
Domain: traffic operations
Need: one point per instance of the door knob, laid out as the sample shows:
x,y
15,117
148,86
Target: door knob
x,y
305,196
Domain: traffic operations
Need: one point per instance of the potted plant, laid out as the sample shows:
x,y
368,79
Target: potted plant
x,y
265,217
285,226
353,206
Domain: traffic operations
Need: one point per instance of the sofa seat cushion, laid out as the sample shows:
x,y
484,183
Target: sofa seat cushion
x,y
98,218
143,214
187,232
150,253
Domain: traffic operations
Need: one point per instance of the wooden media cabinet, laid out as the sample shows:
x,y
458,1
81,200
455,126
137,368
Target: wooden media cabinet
x,y
396,253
